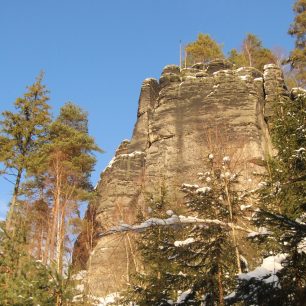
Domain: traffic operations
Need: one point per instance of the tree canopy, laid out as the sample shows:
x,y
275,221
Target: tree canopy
x,y
204,49
298,31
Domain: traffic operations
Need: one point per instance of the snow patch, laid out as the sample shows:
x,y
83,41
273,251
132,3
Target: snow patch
x,y
189,186
169,212
108,300
203,190
268,66
262,231
80,275
133,154
110,164
301,247
226,159
184,242
244,260
244,77
182,296
115,158
244,207
268,269
262,185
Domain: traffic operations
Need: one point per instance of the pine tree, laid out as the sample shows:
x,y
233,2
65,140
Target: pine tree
x,y
256,55
58,181
237,58
204,49
288,169
283,210
252,54
23,280
152,285
298,30
212,257
285,195
21,134
37,212
64,165
195,263
52,162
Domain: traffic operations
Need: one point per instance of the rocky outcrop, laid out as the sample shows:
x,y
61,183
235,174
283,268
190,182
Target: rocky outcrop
x,y
182,117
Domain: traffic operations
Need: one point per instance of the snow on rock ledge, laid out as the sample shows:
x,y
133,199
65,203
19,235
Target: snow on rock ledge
x,y
123,156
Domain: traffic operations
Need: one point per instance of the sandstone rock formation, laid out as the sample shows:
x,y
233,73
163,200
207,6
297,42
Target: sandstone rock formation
x,y
181,118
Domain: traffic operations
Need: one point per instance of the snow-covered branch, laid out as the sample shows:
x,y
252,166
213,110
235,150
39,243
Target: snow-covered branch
x,y
172,221
284,220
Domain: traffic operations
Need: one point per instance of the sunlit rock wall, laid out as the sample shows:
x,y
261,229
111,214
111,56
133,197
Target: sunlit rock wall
x,y
182,117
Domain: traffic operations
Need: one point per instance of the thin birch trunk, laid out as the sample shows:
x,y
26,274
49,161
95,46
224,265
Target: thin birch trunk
x,y
233,228
249,54
12,208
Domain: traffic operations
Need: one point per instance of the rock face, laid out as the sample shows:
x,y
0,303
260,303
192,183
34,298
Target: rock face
x,y
182,117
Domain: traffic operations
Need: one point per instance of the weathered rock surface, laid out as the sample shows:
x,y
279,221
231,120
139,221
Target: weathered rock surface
x,y
182,118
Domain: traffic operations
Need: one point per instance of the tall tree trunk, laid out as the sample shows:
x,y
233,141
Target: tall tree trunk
x,y
221,293
40,242
59,301
53,231
61,239
11,211
229,203
246,47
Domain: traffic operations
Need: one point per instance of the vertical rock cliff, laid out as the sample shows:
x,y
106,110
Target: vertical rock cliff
x,y
180,119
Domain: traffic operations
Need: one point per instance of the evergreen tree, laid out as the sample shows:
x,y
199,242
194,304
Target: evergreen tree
x,y
287,171
256,55
237,58
298,30
36,210
58,181
52,163
204,49
23,280
195,263
64,164
283,210
212,257
21,134
152,285
285,195
252,54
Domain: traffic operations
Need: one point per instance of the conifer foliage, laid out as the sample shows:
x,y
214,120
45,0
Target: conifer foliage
x,y
283,213
52,162
298,31
152,285
194,264
204,49
21,134
23,280
252,54
285,195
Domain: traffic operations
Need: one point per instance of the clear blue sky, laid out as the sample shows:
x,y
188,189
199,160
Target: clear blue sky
x,y
97,52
